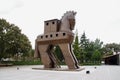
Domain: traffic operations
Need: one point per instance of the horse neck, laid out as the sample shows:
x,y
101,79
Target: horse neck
x,y
65,26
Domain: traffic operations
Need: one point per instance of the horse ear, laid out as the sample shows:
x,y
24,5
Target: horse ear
x,y
75,13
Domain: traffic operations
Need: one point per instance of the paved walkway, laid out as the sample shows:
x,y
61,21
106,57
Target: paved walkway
x,y
27,73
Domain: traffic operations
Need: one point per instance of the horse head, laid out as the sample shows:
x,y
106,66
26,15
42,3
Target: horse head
x,y
70,17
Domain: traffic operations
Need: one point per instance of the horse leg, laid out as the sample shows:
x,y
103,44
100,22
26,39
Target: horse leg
x,y
45,56
36,54
65,48
52,57
74,57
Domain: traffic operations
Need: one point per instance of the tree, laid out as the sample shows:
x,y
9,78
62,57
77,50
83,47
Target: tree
x,y
76,47
97,50
12,41
3,25
25,46
98,44
84,41
96,56
89,48
84,44
109,48
58,53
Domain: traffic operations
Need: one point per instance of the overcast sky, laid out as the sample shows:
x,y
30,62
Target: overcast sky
x,y
98,18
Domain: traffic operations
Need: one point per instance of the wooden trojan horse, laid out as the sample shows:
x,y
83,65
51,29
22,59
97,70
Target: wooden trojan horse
x,y
57,32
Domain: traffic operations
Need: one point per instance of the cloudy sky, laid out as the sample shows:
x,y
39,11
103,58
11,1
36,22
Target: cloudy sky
x,y
98,18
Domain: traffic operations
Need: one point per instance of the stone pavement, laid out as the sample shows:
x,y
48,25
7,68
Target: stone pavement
x,y
27,73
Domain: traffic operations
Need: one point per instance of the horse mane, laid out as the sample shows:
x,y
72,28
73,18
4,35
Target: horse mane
x,y
68,12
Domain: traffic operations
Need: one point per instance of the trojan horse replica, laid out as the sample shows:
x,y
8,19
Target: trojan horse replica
x,y
57,32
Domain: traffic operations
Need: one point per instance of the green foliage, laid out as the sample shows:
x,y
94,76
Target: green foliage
x,y
58,54
12,41
76,48
84,45
38,62
92,63
87,51
96,56
84,42
110,48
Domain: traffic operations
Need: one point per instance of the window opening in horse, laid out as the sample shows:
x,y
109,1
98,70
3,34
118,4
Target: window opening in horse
x,y
56,35
41,37
64,34
47,24
53,22
46,36
51,35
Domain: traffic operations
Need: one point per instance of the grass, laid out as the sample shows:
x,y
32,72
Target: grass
x,y
91,63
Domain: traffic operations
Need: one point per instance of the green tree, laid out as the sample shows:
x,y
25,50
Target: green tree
x,y
98,44
12,41
96,56
3,25
76,47
84,45
88,48
58,53
84,41
97,50
109,48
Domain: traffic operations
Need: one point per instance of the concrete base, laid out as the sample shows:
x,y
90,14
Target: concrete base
x,y
59,69
27,73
